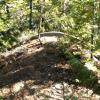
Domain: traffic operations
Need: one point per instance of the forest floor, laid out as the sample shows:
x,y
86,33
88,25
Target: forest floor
x,y
35,72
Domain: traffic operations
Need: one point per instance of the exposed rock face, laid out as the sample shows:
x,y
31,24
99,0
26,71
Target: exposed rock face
x,y
47,37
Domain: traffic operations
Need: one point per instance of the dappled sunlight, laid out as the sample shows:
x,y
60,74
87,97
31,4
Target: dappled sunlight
x,y
91,66
49,50
41,69
24,37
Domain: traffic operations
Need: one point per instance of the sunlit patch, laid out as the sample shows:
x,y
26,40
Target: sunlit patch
x,y
17,86
99,81
31,51
24,37
5,91
77,80
90,66
47,39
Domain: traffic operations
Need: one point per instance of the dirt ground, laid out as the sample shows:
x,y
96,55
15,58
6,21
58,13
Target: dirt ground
x,y
37,72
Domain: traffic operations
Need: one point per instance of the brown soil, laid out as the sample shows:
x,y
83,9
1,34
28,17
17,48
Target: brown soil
x,y
30,72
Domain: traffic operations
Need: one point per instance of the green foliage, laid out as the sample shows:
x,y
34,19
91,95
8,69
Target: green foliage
x,y
65,54
82,75
1,98
72,98
74,18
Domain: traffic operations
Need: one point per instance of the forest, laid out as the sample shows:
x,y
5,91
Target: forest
x,y
49,49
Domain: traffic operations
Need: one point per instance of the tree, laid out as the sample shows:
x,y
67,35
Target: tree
x,y
73,17
30,16
7,10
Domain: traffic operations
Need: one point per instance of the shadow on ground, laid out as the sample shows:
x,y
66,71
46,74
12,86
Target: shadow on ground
x,y
45,67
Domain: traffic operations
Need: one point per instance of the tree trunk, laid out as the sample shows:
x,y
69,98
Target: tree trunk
x,y
7,11
93,29
99,18
30,16
40,21
64,7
